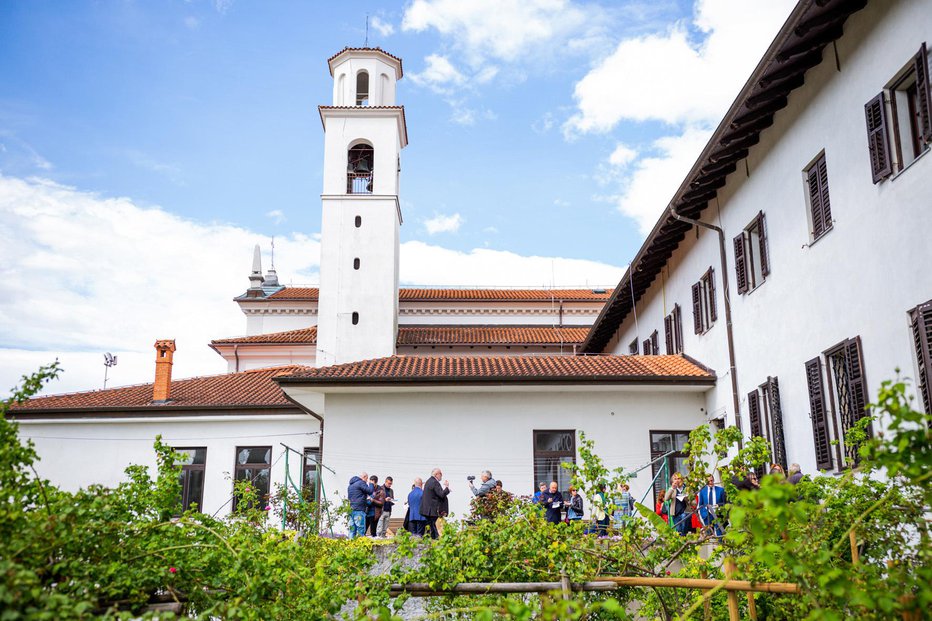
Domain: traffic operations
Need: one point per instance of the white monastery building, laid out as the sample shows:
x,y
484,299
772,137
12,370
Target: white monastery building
x,y
787,278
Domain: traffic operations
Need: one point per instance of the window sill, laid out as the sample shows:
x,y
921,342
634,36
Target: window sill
x,y
821,235
910,165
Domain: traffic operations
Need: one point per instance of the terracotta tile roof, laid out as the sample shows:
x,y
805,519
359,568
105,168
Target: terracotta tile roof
x,y
368,49
301,336
436,335
253,388
453,294
489,335
498,369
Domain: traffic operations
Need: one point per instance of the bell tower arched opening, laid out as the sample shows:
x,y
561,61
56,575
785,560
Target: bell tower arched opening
x,y
360,161
362,88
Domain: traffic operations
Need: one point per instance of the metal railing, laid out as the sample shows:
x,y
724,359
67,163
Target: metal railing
x,y
358,183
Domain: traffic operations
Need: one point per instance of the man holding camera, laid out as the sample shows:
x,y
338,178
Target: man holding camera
x,y
488,484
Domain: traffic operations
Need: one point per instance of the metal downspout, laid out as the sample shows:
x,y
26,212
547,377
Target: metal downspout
x,y
733,371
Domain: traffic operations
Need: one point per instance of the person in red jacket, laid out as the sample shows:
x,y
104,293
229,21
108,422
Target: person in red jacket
x,y
660,508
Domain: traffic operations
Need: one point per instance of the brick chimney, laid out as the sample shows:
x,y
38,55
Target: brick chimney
x,y
161,389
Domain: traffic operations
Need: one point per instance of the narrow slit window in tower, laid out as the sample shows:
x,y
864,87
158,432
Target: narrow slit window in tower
x,y
358,221
355,318
356,263
362,88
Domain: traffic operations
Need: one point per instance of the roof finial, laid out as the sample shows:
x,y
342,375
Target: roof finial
x,y
271,277
255,277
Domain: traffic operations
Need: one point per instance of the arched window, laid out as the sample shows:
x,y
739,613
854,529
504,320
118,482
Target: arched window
x,y
355,318
341,89
358,221
383,90
359,162
356,263
362,88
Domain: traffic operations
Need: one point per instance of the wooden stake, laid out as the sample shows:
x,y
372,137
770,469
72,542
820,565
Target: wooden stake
x,y
731,595
752,607
853,539
706,604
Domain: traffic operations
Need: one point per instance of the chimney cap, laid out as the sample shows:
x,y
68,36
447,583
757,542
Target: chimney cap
x,y
168,344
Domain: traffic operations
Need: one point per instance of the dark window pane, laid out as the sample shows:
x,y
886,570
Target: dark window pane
x,y
254,455
661,442
553,441
194,489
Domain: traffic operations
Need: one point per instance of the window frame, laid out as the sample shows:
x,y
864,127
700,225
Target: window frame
x,y
705,313
313,496
673,331
252,465
659,485
541,454
747,271
185,478
921,326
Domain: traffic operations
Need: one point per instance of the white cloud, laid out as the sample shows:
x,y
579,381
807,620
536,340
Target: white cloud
x,y
503,30
425,264
384,28
82,275
668,77
622,155
653,180
544,124
443,224
559,202
439,75
491,230
191,22
277,216
222,6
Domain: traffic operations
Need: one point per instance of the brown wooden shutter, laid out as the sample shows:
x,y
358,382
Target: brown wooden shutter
x,y
754,414
776,415
878,141
921,318
713,312
741,264
678,327
923,103
646,349
654,343
857,386
697,308
762,236
668,332
815,202
823,448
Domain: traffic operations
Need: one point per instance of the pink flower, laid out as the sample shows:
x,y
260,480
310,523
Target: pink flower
x,y
173,570
268,508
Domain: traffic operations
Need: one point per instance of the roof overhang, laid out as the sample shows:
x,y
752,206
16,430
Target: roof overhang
x,y
798,46
342,112
366,52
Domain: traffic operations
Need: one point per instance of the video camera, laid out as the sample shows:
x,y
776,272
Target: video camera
x,y
471,477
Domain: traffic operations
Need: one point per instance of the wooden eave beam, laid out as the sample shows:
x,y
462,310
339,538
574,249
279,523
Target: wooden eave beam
x,y
837,13
815,41
776,91
735,148
757,113
720,171
798,66
753,128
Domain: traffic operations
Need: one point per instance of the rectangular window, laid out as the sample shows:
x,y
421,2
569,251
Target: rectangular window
x,y
310,480
552,448
661,443
673,329
254,463
900,115
192,462
820,211
633,347
766,417
704,311
838,403
921,320
752,261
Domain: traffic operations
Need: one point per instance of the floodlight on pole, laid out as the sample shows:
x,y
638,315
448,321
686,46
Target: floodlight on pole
x,y
109,361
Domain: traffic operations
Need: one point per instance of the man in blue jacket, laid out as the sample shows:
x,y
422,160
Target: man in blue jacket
x,y
711,498
359,492
415,519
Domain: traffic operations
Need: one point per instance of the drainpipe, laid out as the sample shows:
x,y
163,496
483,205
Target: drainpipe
x,y
236,356
728,329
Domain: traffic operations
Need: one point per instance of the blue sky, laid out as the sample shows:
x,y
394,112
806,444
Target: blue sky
x,y
540,131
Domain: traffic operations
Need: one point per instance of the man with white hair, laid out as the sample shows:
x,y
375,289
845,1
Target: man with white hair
x,y
795,474
488,484
434,494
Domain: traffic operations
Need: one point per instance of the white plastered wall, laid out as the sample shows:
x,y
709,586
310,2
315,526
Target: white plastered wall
x,y
859,279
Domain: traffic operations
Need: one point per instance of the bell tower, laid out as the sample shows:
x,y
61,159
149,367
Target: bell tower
x,y
364,133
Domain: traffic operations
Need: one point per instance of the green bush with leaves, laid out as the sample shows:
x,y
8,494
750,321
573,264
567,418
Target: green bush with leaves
x,y
114,552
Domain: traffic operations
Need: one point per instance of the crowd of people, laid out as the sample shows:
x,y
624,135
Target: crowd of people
x,y
427,503
689,511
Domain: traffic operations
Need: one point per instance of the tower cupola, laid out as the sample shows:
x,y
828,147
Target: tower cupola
x,y
364,76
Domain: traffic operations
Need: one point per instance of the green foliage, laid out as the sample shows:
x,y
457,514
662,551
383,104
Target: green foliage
x,y
110,552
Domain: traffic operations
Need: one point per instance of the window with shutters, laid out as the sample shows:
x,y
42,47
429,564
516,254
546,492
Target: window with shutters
x,y
765,413
752,255
899,119
820,210
652,344
703,296
921,321
838,400
673,331
633,347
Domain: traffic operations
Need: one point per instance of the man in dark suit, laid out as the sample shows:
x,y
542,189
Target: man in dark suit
x,y
433,500
711,498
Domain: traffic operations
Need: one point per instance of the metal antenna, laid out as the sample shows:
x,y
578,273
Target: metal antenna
x,y
273,253
109,361
367,30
